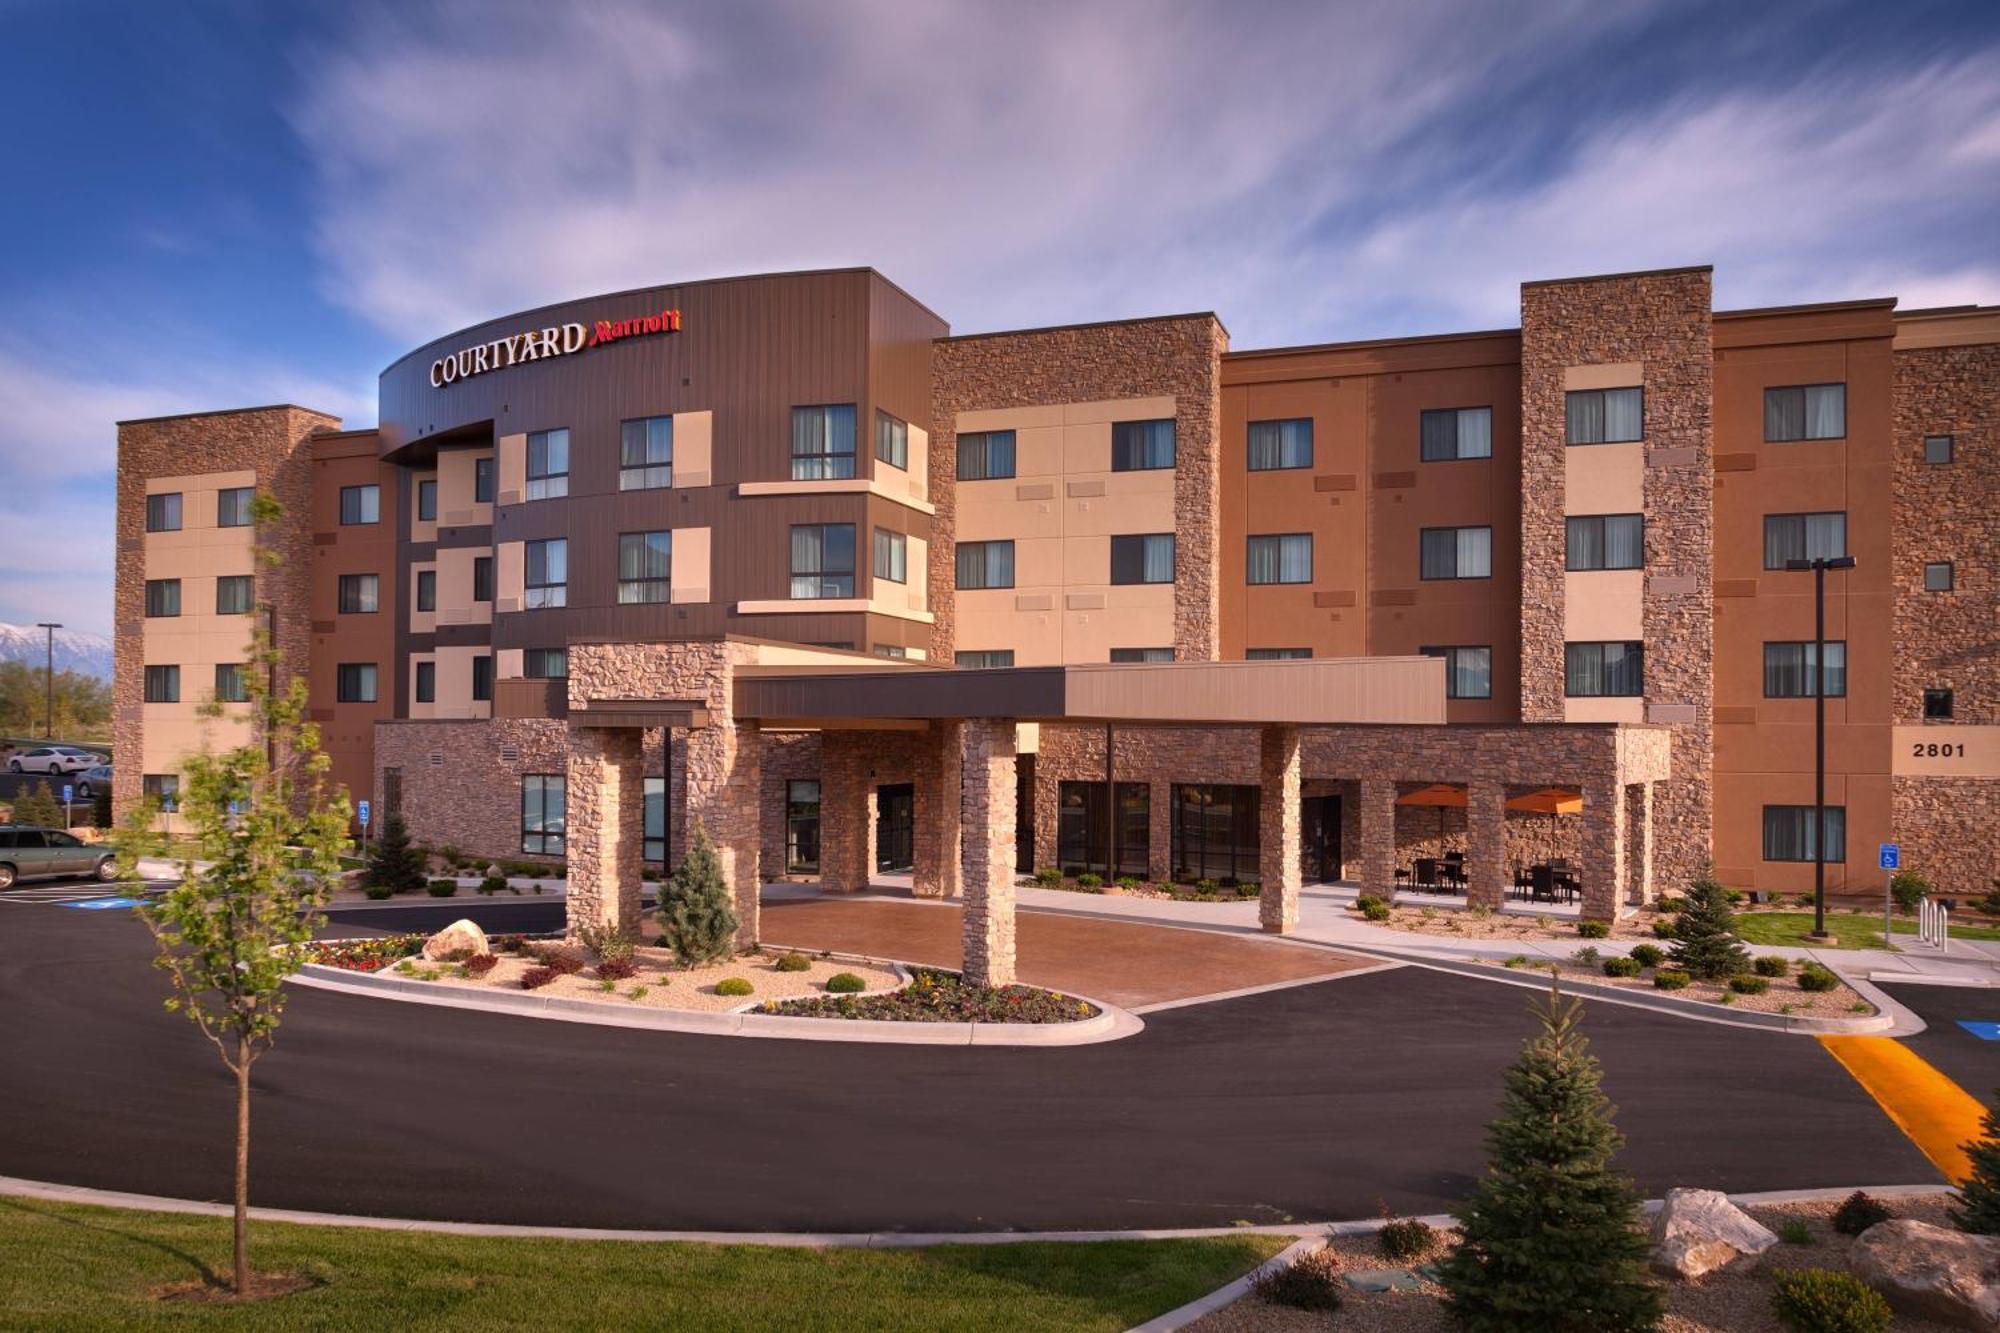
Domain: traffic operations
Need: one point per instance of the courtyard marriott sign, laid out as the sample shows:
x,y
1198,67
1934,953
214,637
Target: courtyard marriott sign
x,y
538,344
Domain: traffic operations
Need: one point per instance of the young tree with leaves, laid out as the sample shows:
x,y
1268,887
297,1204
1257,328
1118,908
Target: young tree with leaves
x,y
1552,1233
394,863
266,834
1705,941
1978,1206
697,913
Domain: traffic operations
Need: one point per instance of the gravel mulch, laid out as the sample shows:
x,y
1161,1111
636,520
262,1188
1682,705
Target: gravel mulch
x,y
1784,996
662,983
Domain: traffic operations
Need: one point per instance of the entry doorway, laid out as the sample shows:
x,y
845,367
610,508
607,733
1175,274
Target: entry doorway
x,y
895,827
1319,821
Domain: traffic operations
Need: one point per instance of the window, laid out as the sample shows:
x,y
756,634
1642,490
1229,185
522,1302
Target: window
x,y
1938,576
1790,670
1277,654
163,684
232,506
802,826
646,454
1604,670
986,455
360,504
823,560
482,677
1605,416
985,565
1788,833
163,597
1937,705
482,480
823,442
1141,446
1607,541
1806,412
980,659
1789,537
482,578
164,789
230,685
1939,449
1086,834
355,683
426,682
1287,558
427,501
547,574
1451,433
545,663
645,566
233,594
1276,445
1468,672
1456,553
360,594
548,464
1142,654
892,556
892,440
163,512
653,791
542,813
1143,559
1214,832
894,651
427,590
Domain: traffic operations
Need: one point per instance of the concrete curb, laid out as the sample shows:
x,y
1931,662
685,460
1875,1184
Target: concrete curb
x,y
1182,1316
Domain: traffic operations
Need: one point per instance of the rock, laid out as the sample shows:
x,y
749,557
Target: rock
x,y
1699,1231
1382,1279
1932,1272
461,936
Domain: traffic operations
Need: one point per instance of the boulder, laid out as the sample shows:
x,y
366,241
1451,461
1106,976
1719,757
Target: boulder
x,y
1699,1231
1932,1272
461,936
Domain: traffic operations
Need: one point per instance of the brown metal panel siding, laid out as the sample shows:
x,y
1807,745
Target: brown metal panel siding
x,y
1408,690
1028,692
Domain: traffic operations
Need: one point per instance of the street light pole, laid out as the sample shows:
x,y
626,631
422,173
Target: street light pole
x,y
1819,565
49,703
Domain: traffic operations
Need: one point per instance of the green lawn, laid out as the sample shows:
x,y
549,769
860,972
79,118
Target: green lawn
x,y
1851,930
70,1267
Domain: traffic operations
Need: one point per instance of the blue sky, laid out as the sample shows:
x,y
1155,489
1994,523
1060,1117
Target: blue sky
x,y
214,204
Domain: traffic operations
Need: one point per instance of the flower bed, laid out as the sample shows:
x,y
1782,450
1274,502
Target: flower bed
x,y
370,955
937,996
650,978
1781,994
1205,891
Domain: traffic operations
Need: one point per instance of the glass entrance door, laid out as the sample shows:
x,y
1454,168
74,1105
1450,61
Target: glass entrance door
x,y
895,827
1320,829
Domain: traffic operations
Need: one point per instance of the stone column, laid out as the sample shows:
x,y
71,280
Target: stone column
x,y
1603,849
1278,829
1639,842
987,823
938,843
1378,837
1486,844
846,813
723,785
605,813
1160,832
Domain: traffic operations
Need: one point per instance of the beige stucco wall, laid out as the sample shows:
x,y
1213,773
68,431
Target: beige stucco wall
x,y
457,484
689,571
511,475
694,448
422,530
425,622
454,682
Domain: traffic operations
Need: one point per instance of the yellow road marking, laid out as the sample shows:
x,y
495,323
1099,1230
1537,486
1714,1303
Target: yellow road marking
x,y
1938,1116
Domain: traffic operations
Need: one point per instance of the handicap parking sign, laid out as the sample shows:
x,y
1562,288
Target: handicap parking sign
x,y
1892,855
68,793
361,813
1981,1028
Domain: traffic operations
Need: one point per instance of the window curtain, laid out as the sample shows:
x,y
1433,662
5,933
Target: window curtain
x,y
1439,554
647,443
548,562
1622,673
1440,436
823,443
644,555
1624,542
1475,432
1586,543
986,565
1159,562
1140,445
1583,669
985,455
1263,562
1472,673
1585,413
1826,536
1785,670
1280,444
1295,558
1826,411
1623,415
1475,553
1784,414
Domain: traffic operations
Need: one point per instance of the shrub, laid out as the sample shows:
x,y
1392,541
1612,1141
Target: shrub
x,y
1128,882
1048,877
1908,888
1593,930
1205,886
1669,979
793,962
1376,911
480,964
1794,1231
1705,942
1090,879
1518,960
1368,900
1978,1207
537,977
734,986
443,888
1587,956
1407,1238
1818,1300
1816,977
845,983
1663,929
1621,967
1312,1282
377,891
1749,985
493,884
1249,888
1648,955
1770,965
697,913
616,969
609,943
1857,1212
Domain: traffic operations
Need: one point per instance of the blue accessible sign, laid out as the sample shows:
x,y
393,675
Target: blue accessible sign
x,y
1892,856
106,904
361,813
1980,1028
69,793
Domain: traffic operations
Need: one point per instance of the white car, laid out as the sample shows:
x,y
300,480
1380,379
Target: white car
x,y
54,759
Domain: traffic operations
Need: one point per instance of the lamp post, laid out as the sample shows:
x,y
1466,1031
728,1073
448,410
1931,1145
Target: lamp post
x,y
49,703
1819,565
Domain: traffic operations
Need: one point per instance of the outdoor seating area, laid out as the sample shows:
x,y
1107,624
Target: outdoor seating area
x,y
1549,882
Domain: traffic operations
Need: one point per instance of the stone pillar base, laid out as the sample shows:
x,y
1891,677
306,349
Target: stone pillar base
x,y
1278,830
987,824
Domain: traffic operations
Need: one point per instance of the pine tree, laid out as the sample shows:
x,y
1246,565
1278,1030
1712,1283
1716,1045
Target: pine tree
x,y
1978,1207
1552,1237
37,806
697,913
394,863
1705,940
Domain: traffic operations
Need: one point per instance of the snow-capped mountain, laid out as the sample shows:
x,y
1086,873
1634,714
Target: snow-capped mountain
x,y
76,650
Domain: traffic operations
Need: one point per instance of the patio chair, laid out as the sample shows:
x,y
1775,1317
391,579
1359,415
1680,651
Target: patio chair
x,y
1427,872
1542,884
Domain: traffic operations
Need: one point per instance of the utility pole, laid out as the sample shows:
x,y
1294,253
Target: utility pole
x,y
49,716
1819,565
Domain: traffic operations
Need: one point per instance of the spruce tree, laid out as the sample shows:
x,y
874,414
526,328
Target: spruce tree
x,y
394,863
1978,1207
38,806
1705,941
1552,1237
697,913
